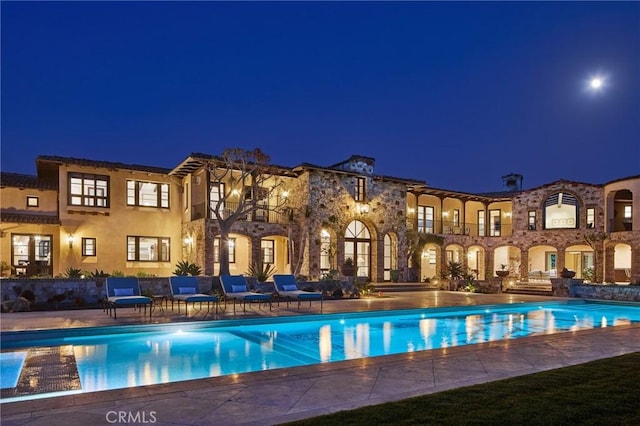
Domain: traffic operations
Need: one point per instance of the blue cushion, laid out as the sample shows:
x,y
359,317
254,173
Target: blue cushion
x,y
238,288
289,287
123,291
187,290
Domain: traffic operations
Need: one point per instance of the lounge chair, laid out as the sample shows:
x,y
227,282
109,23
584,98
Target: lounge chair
x,y
287,287
125,291
235,288
185,289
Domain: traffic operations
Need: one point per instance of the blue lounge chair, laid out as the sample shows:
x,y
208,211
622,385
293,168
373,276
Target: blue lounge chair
x,y
287,287
125,291
185,289
235,287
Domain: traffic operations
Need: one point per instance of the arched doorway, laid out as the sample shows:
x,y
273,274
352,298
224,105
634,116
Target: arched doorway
x,y
622,263
357,245
429,264
475,262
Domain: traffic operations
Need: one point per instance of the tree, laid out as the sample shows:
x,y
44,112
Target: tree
x,y
246,184
595,241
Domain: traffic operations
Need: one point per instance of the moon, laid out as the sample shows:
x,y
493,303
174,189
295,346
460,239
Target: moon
x,y
596,83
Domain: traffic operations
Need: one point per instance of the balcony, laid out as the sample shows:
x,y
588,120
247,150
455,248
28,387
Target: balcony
x,y
261,215
444,227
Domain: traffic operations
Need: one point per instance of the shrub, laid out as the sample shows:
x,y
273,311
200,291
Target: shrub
x,y
185,268
262,272
72,273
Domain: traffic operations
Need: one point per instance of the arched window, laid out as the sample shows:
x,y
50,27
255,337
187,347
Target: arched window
x,y
561,211
357,245
326,253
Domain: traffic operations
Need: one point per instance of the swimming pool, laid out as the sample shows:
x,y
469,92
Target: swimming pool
x,y
130,356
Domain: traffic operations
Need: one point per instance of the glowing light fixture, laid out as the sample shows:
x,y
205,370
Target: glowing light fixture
x,y
70,240
362,208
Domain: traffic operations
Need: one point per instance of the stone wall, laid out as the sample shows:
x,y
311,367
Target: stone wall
x,y
625,293
64,293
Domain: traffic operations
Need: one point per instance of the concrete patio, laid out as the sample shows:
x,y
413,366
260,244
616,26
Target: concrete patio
x,y
272,397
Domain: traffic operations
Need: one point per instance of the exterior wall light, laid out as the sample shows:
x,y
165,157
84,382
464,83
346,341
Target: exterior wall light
x,y
362,208
70,240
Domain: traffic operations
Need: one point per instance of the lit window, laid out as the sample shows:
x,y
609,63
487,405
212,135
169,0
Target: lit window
x,y
627,212
325,251
360,190
147,194
591,218
33,201
88,190
148,249
232,250
268,251
216,198
88,246
532,220
425,219
561,211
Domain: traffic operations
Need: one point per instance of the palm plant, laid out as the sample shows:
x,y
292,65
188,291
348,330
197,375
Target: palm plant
x,y
185,268
455,270
261,271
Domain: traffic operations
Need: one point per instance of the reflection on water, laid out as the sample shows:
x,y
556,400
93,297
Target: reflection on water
x,y
135,359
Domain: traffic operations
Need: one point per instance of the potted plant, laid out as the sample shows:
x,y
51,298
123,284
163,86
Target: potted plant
x,y
348,269
567,273
503,272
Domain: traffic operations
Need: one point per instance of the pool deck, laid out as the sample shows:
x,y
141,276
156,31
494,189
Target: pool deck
x,y
277,396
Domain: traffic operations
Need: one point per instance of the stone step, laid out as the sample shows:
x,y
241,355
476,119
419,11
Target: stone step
x,y
397,287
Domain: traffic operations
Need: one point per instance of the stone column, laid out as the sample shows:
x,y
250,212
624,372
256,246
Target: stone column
x,y
488,264
635,265
609,274
524,265
560,256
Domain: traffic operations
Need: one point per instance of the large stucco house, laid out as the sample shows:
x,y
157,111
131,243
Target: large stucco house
x,y
96,215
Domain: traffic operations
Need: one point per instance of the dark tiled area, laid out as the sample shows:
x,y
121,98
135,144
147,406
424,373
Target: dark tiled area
x,y
47,370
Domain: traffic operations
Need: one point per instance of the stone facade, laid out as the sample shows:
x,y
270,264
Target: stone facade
x,y
480,231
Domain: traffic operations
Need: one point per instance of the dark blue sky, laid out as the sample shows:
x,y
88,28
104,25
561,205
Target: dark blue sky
x,y
456,94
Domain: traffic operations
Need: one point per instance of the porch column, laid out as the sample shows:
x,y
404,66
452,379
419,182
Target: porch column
x,y
635,265
524,265
609,270
488,264
560,257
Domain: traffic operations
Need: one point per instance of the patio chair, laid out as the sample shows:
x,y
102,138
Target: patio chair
x,y
125,291
235,287
185,289
287,287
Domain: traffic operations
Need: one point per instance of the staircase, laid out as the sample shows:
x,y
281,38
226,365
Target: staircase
x,y
397,287
540,289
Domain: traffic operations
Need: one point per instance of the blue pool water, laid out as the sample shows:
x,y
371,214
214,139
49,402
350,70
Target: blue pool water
x,y
145,355
10,367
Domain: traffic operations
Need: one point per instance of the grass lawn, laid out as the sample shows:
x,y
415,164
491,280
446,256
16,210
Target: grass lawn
x,y
602,392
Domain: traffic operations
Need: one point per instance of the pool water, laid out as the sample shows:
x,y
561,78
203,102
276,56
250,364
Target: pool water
x,y
10,367
163,354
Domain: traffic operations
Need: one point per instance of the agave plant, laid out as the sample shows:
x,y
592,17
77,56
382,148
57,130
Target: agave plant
x,y
73,273
261,271
97,274
185,268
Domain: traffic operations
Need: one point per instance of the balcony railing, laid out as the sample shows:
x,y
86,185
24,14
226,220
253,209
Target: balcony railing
x,y
265,215
445,227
